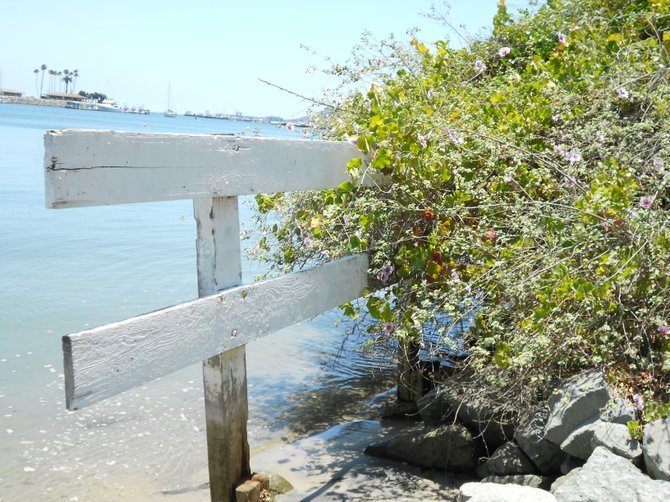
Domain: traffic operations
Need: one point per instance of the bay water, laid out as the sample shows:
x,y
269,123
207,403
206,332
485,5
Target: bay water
x,y
63,271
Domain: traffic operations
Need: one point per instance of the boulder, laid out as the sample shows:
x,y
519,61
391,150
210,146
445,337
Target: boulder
x,y
615,437
578,442
475,405
606,476
569,464
532,480
435,408
493,492
529,435
577,402
507,459
446,447
618,411
656,449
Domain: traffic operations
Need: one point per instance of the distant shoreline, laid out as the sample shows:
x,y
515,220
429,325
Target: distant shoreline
x,y
57,103
25,100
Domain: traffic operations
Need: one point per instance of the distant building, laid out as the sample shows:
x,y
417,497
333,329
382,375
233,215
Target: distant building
x,y
61,96
11,92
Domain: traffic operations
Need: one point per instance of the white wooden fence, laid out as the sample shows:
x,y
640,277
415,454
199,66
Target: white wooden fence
x,y
86,168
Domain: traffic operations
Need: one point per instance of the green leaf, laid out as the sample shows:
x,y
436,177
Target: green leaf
x,y
373,305
502,355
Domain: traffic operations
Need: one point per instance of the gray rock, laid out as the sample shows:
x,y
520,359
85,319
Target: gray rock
x,y
435,408
569,464
484,418
546,455
446,447
564,479
532,480
618,411
493,492
507,459
616,438
472,403
607,476
578,443
656,448
575,403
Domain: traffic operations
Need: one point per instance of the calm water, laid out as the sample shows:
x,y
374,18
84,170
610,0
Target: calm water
x,y
62,271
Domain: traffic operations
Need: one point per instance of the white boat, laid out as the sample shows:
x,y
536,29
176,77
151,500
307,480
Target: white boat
x,y
169,112
109,105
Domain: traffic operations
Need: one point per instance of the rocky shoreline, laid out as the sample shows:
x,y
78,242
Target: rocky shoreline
x,y
27,100
575,447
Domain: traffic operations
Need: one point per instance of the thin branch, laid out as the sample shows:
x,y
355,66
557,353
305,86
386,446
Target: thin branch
x,y
301,96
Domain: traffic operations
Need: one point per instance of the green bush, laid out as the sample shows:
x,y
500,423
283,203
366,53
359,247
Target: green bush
x,y
518,187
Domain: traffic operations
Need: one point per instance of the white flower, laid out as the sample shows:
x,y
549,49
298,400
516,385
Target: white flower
x,y
573,156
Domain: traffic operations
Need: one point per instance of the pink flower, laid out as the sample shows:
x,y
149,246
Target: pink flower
x,y
622,93
638,402
504,51
558,149
422,140
646,202
600,136
454,137
480,66
290,127
385,273
573,156
388,328
562,38
664,330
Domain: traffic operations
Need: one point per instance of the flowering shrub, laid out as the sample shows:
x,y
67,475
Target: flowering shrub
x,y
516,189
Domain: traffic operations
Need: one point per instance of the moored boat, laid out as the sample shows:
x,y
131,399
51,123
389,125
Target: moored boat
x,y
109,105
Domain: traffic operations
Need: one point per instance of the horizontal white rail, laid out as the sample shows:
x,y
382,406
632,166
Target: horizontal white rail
x,y
105,361
88,168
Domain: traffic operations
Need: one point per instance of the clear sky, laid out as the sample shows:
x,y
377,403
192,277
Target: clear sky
x,y
210,53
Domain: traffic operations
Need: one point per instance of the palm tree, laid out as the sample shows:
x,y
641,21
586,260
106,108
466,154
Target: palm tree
x,y
67,79
51,80
43,67
60,86
74,81
37,89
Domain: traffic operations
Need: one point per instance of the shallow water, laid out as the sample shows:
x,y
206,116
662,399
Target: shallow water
x,y
62,271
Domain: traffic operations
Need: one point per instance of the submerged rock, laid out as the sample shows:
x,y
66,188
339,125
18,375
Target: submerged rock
x,y
449,447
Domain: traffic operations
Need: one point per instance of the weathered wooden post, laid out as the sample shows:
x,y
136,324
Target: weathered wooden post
x,y
89,168
224,375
